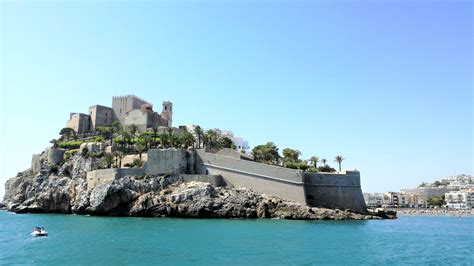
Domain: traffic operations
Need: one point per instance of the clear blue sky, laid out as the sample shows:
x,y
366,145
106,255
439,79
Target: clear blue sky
x,y
389,86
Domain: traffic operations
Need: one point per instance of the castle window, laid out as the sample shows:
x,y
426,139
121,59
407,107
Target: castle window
x,y
166,108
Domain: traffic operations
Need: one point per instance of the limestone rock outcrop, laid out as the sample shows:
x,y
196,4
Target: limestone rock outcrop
x,y
64,190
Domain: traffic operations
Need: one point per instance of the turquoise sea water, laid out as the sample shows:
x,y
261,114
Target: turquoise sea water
x,y
110,241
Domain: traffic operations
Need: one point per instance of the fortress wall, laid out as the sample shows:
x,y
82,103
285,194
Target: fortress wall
x,y
131,157
138,118
79,122
266,179
101,116
123,104
107,176
55,156
341,191
169,161
215,180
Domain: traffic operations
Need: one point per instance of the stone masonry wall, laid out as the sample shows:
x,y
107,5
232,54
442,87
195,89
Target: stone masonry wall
x,y
79,122
330,190
101,116
169,161
266,179
106,176
137,117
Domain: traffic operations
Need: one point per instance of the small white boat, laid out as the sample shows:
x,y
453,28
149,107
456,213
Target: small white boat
x,y
39,231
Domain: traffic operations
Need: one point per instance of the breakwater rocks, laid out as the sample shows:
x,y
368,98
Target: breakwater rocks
x,y
64,190
435,212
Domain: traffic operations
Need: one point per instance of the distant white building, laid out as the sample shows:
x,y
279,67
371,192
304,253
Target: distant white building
x,y
463,199
395,199
426,191
373,199
239,143
459,182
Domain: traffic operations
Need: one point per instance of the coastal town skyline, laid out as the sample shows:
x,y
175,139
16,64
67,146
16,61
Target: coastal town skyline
x,y
292,84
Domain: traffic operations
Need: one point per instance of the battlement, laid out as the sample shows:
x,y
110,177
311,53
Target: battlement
x,y
130,96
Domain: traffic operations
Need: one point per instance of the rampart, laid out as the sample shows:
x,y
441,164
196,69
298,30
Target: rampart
x,y
170,161
337,191
266,179
106,176
330,190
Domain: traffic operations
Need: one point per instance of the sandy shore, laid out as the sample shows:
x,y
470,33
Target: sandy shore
x,y
434,212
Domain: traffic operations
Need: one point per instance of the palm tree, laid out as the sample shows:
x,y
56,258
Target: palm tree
x,y
139,147
187,139
199,134
449,200
324,161
170,137
339,160
133,129
460,198
120,156
314,160
210,139
155,136
108,159
115,128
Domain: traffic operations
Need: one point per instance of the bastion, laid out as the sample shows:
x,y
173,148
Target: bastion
x,y
329,190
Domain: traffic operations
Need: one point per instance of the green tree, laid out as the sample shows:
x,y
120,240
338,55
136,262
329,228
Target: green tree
x,y
118,158
314,161
54,142
108,159
324,161
460,199
199,135
225,142
266,153
106,132
164,140
155,136
326,168
211,138
116,127
291,155
436,201
147,139
170,137
140,148
68,133
186,138
299,165
339,160
133,129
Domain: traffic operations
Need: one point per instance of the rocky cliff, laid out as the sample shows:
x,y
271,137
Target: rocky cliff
x,y
64,190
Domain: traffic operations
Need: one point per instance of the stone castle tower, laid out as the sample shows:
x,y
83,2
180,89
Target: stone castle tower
x,y
127,110
167,112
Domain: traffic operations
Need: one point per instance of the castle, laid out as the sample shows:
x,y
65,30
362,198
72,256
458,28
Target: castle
x,y
127,110
226,167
